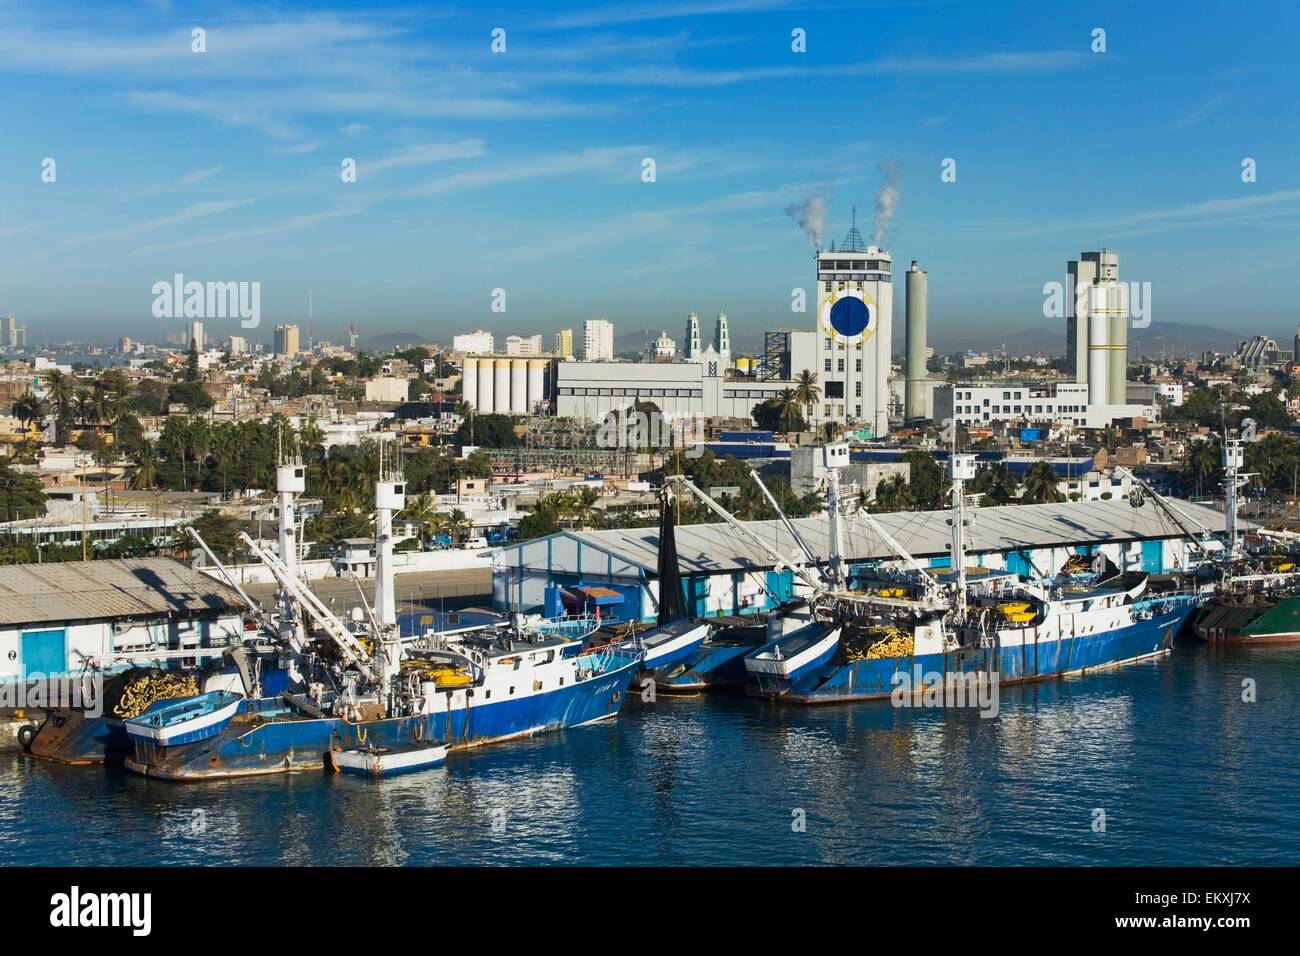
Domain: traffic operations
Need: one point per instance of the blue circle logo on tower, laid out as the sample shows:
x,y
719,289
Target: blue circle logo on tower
x,y
849,316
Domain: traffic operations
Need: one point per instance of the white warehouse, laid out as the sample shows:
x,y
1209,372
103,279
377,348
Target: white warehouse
x,y
723,574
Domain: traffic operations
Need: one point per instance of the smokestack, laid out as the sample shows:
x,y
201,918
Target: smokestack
x,y
914,395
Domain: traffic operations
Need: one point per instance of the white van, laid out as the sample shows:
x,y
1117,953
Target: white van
x,y
477,541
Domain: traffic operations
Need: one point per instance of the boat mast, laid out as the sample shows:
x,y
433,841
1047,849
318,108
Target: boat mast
x,y
1233,460
290,480
961,468
390,497
835,456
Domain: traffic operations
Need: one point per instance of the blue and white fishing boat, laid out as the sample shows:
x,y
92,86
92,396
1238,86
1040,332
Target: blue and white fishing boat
x,y
993,628
469,686
171,723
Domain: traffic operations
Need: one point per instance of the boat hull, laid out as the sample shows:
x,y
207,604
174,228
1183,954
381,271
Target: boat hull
x,y
380,762
675,645
712,666
1266,624
283,744
1047,660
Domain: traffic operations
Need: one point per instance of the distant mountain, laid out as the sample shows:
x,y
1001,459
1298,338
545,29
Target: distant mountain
x,y
1171,339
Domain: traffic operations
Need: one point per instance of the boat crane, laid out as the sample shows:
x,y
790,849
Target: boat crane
x,y
1173,512
812,581
352,649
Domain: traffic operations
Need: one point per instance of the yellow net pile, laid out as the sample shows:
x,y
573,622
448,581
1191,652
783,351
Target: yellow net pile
x,y
879,641
442,674
149,687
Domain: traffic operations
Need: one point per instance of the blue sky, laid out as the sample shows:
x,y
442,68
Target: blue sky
x,y
522,170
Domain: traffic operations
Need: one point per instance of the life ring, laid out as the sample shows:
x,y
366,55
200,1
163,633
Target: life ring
x,y
26,734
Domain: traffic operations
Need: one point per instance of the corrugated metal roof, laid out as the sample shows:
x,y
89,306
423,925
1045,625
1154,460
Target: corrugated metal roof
x,y
94,590
710,548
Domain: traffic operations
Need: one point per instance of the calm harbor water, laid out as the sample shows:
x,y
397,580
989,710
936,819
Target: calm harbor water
x,y
1185,771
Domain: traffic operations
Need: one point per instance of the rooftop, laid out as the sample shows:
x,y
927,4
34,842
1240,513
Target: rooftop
x,y
713,548
96,590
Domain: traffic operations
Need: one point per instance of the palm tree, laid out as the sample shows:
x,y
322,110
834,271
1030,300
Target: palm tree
x,y
894,494
423,511
28,408
85,407
583,506
60,391
807,392
787,403
1041,485
831,430
996,483
146,467
466,411
458,524
1203,460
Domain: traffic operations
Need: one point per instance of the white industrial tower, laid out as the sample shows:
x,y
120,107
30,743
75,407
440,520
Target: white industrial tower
x,y
855,303
1096,337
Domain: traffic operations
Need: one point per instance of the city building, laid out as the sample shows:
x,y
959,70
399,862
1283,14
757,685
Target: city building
x,y
1096,331
717,352
664,349
56,617
976,404
564,343
591,390
597,340
1260,351
514,386
238,345
387,388
124,346
855,326
474,343
15,334
524,345
286,340
691,349
194,335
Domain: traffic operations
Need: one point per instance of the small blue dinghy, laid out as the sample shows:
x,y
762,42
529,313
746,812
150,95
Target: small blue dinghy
x,y
185,721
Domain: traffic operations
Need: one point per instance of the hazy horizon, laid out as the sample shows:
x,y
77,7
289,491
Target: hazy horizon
x,y
523,170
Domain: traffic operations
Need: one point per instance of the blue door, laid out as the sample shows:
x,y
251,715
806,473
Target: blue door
x,y
1018,563
1153,558
780,586
44,653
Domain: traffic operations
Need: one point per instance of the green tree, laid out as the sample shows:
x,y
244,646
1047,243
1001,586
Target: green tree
x,y
807,392
1041,485
21,496
894,494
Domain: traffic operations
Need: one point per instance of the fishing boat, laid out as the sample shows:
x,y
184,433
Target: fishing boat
x,y
365,684
372,761
184,721
675,636
1256,598
986,626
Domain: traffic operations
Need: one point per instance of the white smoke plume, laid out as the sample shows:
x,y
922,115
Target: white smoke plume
x,y
886,200
811,214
